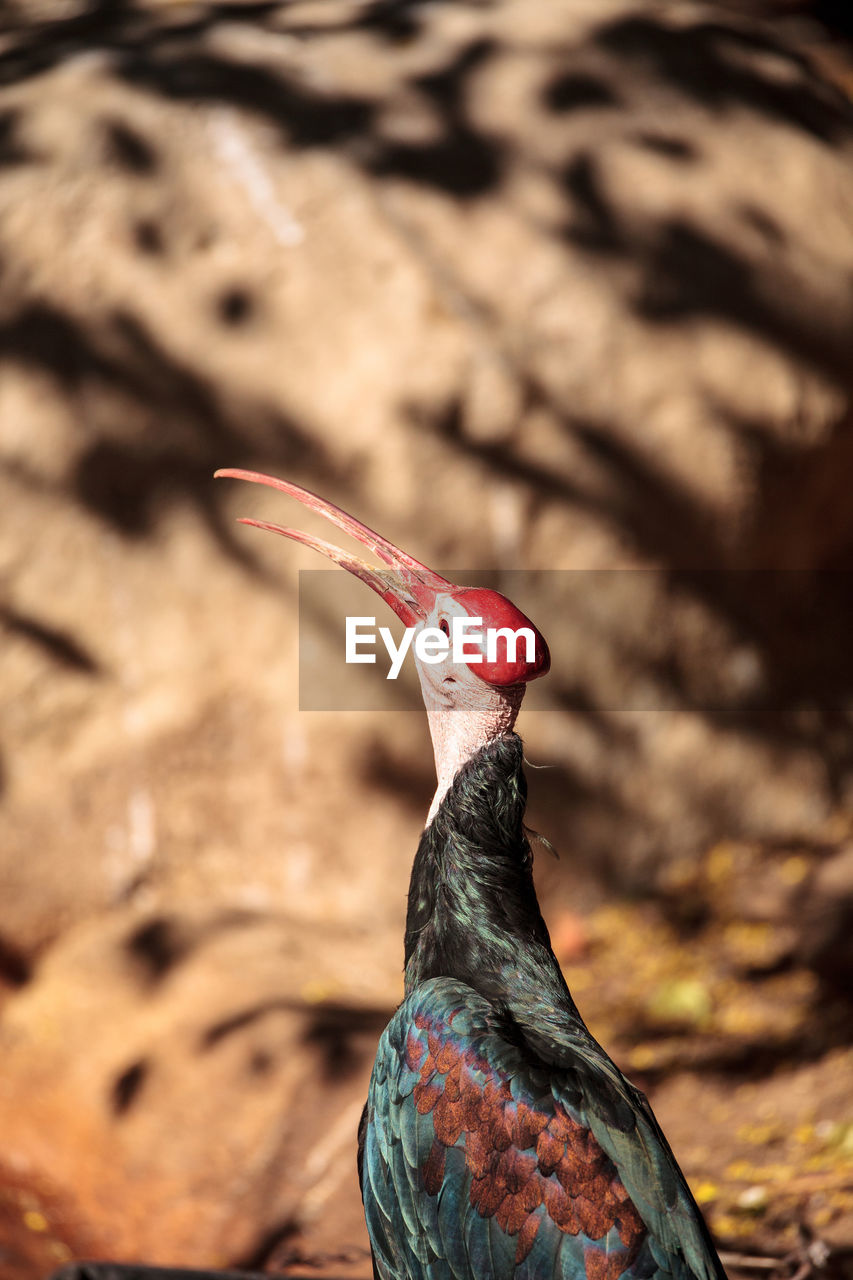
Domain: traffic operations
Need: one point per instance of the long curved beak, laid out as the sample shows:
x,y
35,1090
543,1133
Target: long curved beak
x,y
409,587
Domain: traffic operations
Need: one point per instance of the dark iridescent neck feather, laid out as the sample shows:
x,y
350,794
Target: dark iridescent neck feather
x,y
473,913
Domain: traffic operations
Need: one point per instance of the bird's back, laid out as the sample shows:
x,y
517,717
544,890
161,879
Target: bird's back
x,y
479,1161
500,1142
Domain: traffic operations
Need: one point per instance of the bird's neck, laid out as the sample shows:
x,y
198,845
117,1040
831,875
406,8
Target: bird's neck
x,y
460,731
473,913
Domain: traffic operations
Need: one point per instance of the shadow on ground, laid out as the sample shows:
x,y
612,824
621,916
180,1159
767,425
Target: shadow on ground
x,y
153,423
179,422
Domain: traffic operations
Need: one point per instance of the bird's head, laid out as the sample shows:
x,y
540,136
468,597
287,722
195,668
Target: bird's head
x,y
471,698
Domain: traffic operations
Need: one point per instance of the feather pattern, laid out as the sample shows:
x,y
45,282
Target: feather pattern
x,y
500,1142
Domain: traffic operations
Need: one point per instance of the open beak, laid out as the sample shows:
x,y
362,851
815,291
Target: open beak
x,y
409,587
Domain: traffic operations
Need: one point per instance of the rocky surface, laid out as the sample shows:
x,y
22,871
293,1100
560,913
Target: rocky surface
x,y
563,287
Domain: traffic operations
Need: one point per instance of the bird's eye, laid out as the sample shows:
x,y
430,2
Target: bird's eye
x,y
443,626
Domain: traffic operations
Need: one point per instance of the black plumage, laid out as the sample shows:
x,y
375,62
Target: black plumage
x,y
499,1139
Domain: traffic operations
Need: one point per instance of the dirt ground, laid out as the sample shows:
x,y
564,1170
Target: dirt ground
x,y
564,287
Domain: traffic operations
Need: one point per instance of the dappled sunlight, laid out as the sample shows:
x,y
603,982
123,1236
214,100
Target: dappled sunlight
x,y
526,287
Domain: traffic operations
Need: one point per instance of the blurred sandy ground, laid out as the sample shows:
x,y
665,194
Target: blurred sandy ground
x,y
566,286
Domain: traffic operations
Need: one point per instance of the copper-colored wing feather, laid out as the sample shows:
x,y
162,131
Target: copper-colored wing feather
x,y
479,1162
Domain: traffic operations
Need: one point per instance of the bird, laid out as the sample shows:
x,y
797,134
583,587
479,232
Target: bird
x,y
499,1141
